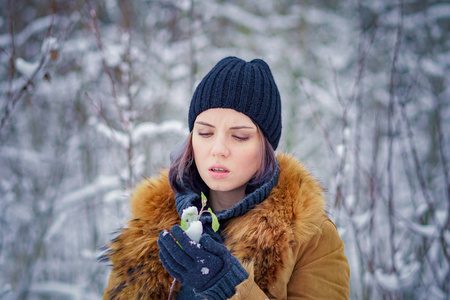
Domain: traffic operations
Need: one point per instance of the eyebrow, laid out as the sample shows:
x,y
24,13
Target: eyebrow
x,y
233,128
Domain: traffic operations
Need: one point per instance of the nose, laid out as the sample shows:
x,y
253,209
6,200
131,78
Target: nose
x,y
219,148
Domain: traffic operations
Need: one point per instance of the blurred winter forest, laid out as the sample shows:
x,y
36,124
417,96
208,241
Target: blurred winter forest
x,y
94,95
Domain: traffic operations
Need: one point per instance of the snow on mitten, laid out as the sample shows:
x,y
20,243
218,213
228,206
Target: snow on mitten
x,y
208,267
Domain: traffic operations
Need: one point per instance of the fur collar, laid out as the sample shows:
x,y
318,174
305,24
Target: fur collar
x,y
288,217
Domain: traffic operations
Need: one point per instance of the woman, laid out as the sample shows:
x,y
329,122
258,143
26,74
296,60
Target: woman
x,y
274,239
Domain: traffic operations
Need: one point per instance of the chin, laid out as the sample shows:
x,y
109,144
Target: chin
x,y
223,188
219,188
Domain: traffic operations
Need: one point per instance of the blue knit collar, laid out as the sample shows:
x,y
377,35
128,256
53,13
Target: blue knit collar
x,y
189,198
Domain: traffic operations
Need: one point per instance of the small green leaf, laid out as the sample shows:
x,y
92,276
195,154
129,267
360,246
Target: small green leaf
x,y
215,221
179,244
183,224
203,200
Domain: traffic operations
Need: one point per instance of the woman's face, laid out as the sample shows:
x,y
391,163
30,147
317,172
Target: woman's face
x,y
227,149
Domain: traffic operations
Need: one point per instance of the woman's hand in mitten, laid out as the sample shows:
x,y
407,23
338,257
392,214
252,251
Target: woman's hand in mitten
x,y
202,266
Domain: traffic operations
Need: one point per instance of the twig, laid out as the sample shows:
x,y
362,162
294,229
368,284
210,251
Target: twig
x,y
172,287
446,227
442,153
191,46
418,166
391,137
14,98
95,29
12,69
325,131
123,120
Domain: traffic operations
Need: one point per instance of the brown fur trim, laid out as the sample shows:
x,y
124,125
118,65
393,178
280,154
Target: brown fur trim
x,y
287,217
134,253
263,237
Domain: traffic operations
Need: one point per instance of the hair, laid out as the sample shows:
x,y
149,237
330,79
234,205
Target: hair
x,y
183,173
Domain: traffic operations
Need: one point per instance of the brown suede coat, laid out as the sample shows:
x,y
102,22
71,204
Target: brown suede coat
x,y
287,244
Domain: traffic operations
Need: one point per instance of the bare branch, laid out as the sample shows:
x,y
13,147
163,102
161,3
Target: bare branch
x,y
13,98
443,154
325,130
418,166
392,83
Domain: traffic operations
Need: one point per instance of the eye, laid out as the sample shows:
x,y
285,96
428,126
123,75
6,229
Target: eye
x,y
241,138
205,134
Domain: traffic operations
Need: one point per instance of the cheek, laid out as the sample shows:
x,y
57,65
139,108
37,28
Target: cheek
x,y
198,150
251,157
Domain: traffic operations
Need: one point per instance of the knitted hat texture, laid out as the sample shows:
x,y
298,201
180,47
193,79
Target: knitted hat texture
x,y
247,87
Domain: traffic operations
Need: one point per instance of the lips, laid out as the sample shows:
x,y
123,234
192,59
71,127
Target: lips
x,y
218,172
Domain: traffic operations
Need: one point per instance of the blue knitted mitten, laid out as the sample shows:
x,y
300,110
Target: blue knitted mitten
x,y
208,267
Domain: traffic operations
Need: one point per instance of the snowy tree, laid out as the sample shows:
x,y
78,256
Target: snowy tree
x,y
94,96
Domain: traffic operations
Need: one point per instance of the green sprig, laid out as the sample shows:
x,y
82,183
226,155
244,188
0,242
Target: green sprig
x,y
193,216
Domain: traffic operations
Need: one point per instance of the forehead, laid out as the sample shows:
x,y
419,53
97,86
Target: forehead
x,y
224,115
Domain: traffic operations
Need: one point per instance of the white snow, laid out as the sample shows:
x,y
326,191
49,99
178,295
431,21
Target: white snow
x,y
388,282
195,230
25,67
48,44
141,131
60,289
362,220
113,196
437,294
103,183
56,226
429,231
205,271
405,277
433,67
112,134
439,11
27,155
34,27
447,237
312,49
340,150
350,200
441,217
113,55
149,129
189,212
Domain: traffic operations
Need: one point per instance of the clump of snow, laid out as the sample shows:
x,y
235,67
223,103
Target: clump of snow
x,y
113,55
148,129
388,282
113,196
362,220
190,214
404,279
48,44
205,271
447,237
441,217
61,290
25,67
429,231
340,150
195,231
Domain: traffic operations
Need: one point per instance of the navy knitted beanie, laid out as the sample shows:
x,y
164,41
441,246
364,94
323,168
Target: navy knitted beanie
x,y
247,87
